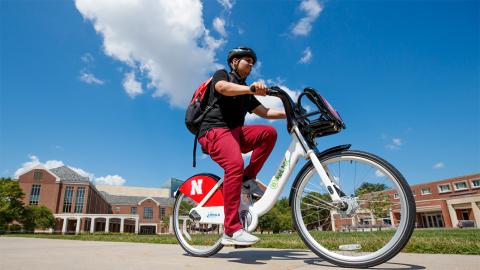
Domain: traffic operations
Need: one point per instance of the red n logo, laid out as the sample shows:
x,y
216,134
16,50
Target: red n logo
x,y
196,187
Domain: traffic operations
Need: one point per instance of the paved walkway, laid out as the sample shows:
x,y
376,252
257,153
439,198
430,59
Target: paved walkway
x,y
49,254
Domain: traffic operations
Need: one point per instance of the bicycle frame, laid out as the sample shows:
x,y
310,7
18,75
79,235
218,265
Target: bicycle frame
x,y
298,148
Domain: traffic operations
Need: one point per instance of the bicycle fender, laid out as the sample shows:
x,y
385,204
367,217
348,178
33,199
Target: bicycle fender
x,y
329,151
338,148
198,186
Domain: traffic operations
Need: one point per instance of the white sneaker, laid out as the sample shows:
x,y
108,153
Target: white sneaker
x,y
239,238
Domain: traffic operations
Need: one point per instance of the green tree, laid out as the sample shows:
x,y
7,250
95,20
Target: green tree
x,y
277,219
374,199
37,217
315,213
11,205
366,187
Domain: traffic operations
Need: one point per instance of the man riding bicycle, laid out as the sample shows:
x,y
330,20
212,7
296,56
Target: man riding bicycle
x,y
224,137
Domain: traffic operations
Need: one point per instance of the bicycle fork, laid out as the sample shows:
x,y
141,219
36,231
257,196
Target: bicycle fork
x,y
332,187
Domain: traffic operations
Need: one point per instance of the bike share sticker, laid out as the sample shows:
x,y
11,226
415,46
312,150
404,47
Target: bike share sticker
x,y
197,187
276,178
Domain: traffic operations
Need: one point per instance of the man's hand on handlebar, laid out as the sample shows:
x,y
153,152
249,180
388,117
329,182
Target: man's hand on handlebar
x,y
258,88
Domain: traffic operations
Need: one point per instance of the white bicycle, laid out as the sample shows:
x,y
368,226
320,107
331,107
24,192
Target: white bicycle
x,y
351,208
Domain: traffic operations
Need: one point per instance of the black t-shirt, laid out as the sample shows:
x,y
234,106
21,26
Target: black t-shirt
x,y
228,111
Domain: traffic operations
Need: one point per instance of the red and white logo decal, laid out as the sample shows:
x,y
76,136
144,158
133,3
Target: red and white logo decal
x,y
197,187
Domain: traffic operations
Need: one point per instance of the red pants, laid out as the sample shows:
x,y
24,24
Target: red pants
x,y
225,146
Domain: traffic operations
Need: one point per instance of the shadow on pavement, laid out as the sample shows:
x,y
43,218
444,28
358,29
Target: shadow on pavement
x,y
256,256
384,266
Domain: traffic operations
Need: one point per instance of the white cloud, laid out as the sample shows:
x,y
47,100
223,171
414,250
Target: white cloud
x,y
394,143
219,25
111,180
272,102
89,78
58,147
336,179
392,147
247,155
83,173
378,173
49,164
227,4
87,58
397,141
131,85
439,165
240,31
304,25
256,70
34,161
307,56
166,40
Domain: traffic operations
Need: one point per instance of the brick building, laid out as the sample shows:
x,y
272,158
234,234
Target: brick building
x,y
448,203
80,206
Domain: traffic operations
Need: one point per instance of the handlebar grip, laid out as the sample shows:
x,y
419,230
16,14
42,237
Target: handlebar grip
x,y
272,91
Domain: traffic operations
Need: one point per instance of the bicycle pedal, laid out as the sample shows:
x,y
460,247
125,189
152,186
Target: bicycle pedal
x,y
238,246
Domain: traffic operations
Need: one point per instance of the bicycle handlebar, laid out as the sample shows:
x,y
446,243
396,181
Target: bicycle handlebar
x,y
328,123
287,101
270,90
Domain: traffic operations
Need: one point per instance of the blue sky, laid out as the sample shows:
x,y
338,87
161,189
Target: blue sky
x,y
101,87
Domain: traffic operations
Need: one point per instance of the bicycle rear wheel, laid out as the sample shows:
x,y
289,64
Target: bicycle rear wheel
x,y
379,219
199,240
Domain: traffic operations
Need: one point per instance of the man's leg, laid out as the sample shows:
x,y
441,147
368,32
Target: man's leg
x,y
223,146
261,139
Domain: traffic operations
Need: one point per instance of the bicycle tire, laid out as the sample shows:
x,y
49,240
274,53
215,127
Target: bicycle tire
x,y
190,249
402,233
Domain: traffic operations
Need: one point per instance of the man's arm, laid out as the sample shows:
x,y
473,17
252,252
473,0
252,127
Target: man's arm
x,y
268,113
233,89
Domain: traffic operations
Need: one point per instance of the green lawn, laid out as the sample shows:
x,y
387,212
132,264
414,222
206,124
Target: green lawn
x,y
454,241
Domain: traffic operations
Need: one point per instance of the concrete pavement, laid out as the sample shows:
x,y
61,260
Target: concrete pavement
x,y
41,254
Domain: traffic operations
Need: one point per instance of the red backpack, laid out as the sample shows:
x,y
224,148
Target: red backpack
x,y
198,108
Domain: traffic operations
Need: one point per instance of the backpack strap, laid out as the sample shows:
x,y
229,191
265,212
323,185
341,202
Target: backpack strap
x,y
209,107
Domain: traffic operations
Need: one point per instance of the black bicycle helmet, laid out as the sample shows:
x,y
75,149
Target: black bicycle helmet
x,y
240,52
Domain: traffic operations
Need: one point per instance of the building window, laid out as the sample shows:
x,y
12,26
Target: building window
x,y
444,188
37,175
79,200
133,210
34,195
162,212
147,213
426,191
67,200
395,196
117,209
476,183
460,186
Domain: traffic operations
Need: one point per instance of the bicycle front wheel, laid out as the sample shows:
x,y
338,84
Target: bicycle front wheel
x,y
199,240
378,221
